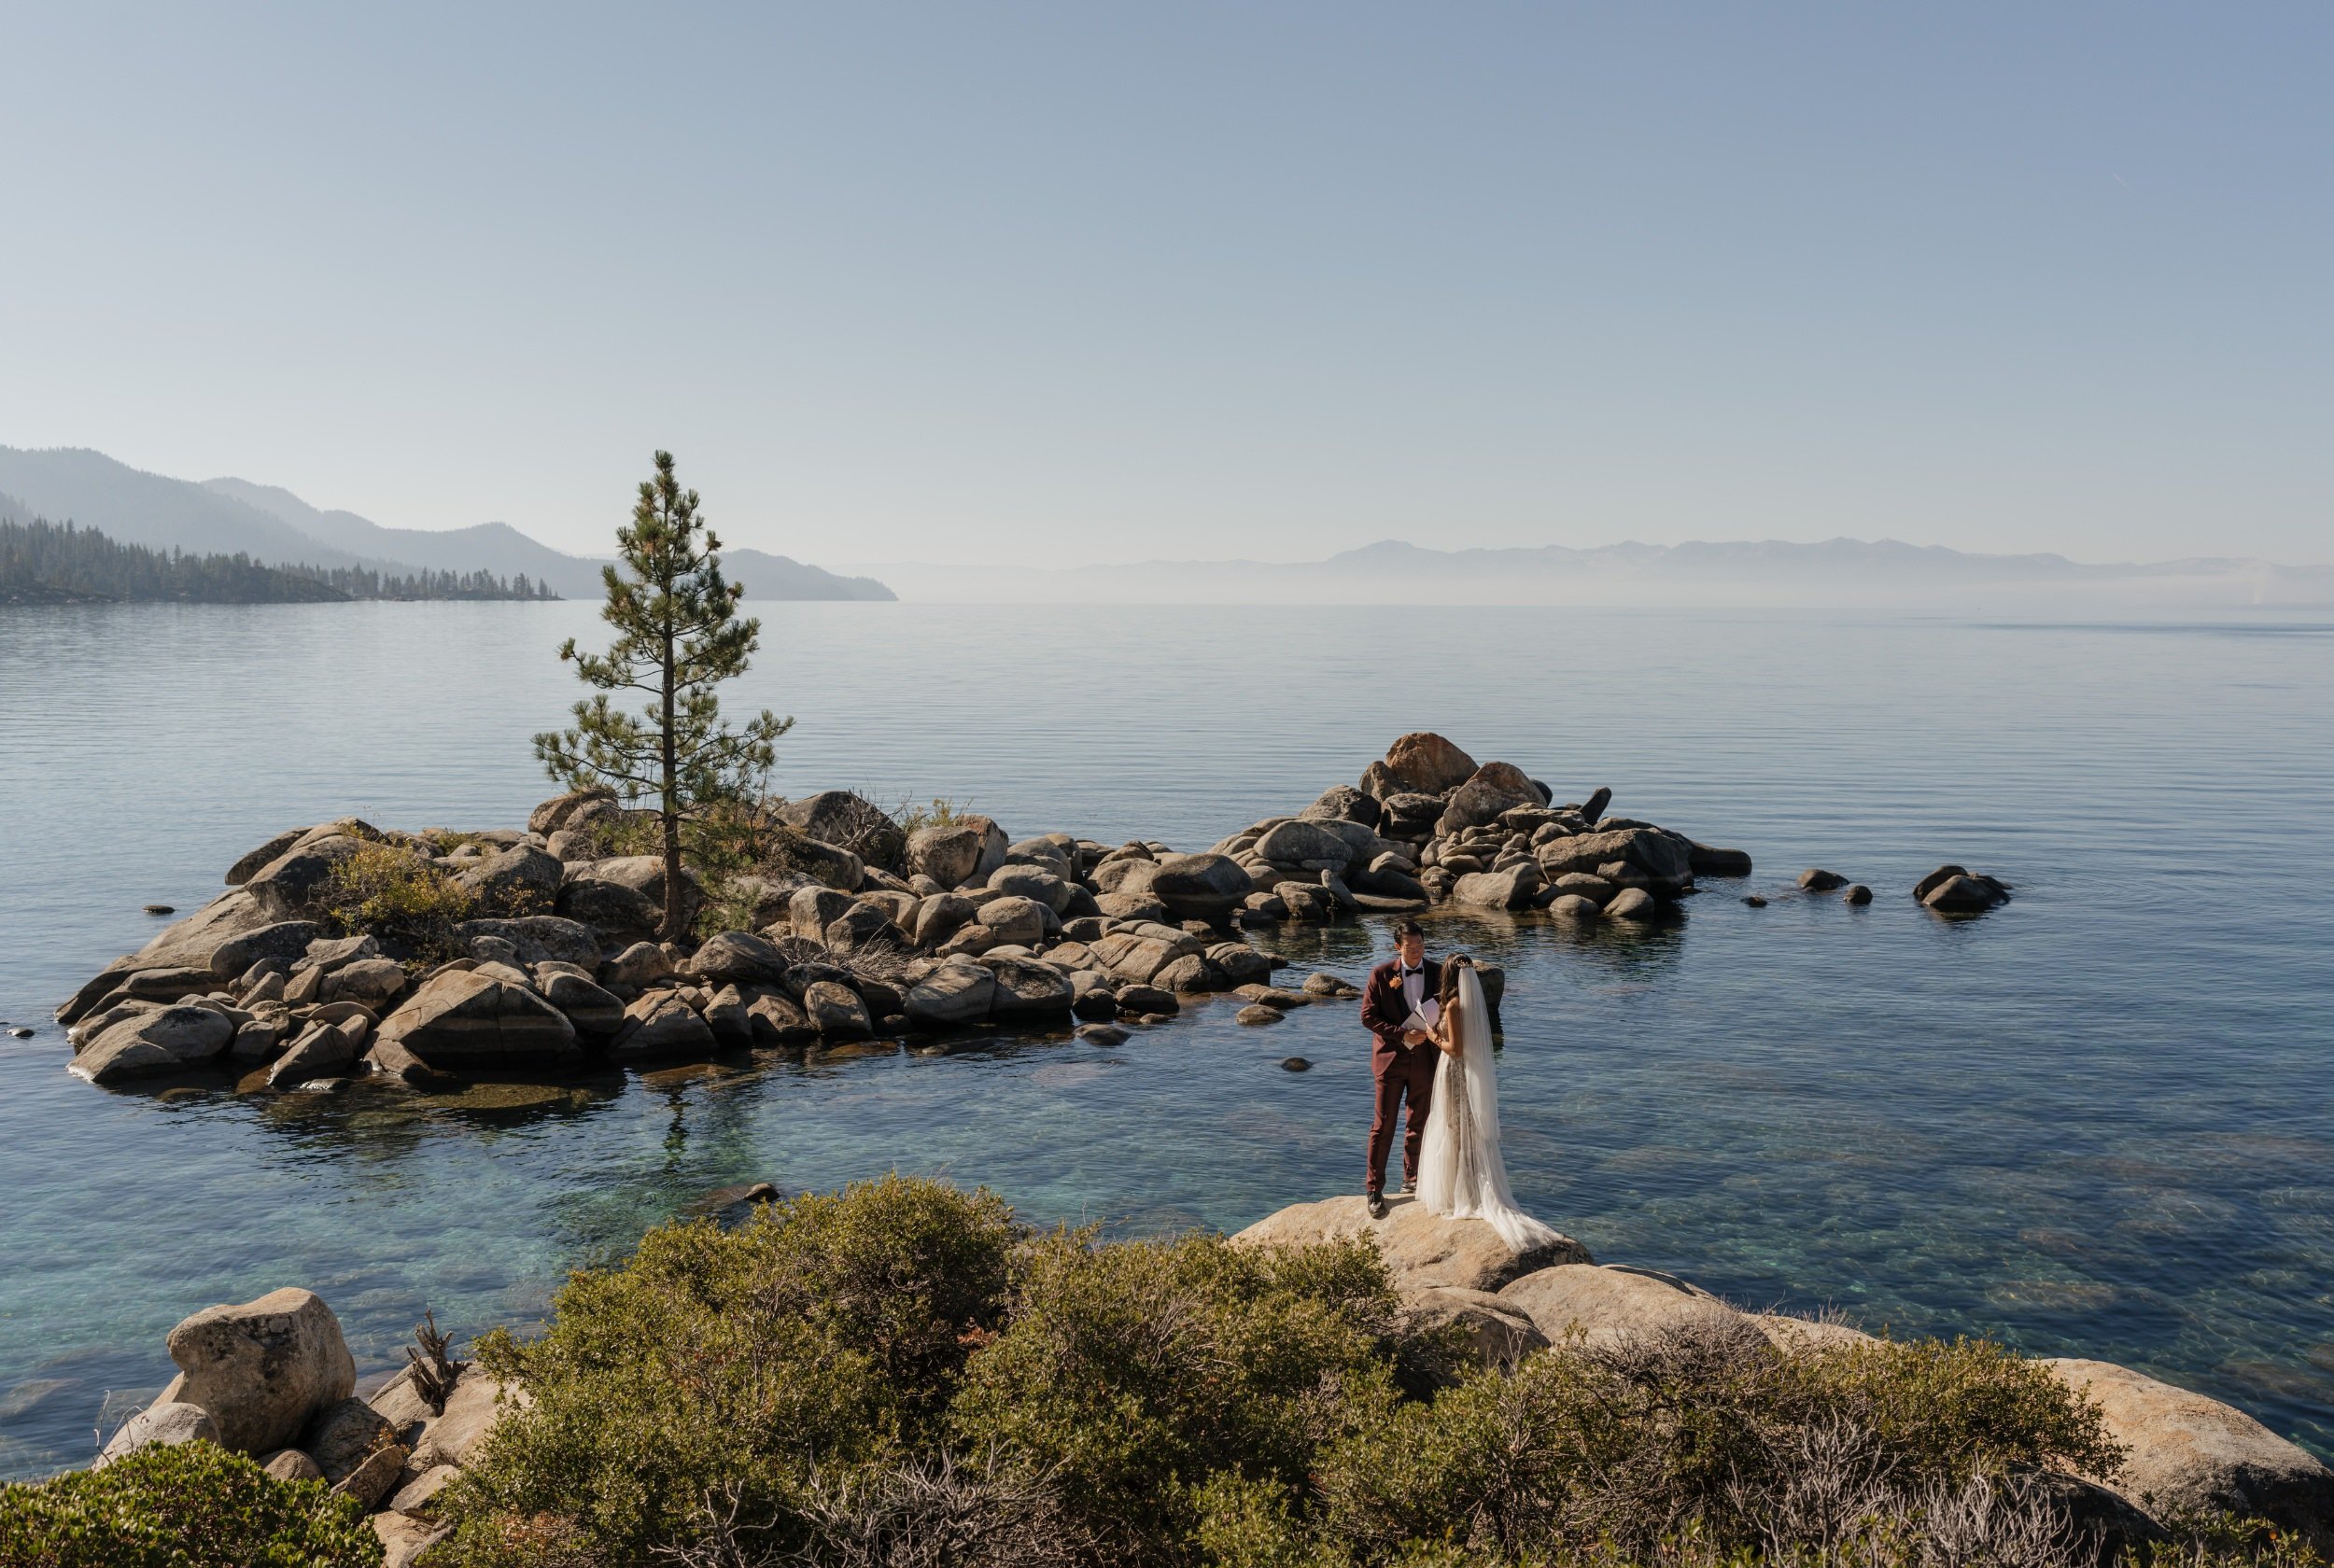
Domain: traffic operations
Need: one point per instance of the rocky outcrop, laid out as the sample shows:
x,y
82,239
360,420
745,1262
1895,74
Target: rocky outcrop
x,y
885,921
273,1378
2188,1454
1421,1249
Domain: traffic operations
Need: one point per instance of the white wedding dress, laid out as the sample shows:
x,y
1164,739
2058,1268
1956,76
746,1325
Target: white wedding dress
x,y
1460,1173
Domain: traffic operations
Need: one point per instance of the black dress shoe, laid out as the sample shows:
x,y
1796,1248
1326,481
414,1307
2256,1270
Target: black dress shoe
x,y
1377,1206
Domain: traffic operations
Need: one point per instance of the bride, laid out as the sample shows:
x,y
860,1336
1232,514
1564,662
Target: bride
x,y
1459,1169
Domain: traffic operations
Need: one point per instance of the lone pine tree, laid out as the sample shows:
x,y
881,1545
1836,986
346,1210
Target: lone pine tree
x,y
678,637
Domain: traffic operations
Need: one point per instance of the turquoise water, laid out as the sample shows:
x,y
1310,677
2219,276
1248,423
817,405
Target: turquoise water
x,y
2100,1119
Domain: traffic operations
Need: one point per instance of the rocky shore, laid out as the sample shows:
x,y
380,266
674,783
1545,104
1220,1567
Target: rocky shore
x,y
848,928
273,1378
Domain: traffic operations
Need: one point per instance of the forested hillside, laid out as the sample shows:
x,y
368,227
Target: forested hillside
x,y
49,563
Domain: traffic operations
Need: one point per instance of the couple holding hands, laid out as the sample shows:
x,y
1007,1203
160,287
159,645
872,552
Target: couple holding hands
x,y
1430,1028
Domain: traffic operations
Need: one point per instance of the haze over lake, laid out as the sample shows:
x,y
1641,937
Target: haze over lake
x,y
2098,1120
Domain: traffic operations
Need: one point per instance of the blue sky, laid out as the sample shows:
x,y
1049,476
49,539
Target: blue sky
x,y
1077,283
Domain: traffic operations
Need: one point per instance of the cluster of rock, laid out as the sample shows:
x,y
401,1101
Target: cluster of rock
x,y
2188,1455
855,930
1428,824
273,1378
1951,889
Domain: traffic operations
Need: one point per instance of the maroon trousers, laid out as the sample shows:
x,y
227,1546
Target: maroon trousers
x,y
1401,1071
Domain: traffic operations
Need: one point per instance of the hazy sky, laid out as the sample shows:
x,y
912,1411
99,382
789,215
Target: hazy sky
x,y
1106,282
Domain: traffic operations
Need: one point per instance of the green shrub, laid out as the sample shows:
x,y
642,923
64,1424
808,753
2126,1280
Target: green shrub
x,y
191,1505
1713,1433
1138,1373
402,897
735,1370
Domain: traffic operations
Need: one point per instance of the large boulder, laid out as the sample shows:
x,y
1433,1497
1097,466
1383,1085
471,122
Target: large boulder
x,y
615,912
1500,1332
1032,882
286,940
1028,991
1950,890
953,995
964,851
660,1024
1663,858
1491,791
537,938
371,984
159,1426
1298,841
293,886
264,1368
1342,803
1128,879
520,880
151,1044
2192,1455
835,1011
848,822
641,873
941,916
323,1050
249,865
1015,919
461,1018
1426,763
1512,888
357,1449
830,865
1201,887
564,811
734,957
1421,1248
1410,815
1136,956
1611,1305
591,1009
865,927
813,909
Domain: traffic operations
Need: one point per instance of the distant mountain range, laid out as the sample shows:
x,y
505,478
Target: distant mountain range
x,y
276,528
1840,572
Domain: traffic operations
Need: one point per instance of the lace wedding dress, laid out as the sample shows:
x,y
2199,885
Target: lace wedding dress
x,y
1459,1169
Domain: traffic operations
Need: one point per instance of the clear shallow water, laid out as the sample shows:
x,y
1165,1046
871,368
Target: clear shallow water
x,y
2099,1121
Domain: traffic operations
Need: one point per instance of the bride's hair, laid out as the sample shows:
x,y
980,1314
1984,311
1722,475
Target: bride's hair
x,y
1451,968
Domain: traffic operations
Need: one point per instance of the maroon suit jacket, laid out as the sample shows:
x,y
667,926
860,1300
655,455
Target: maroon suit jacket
x,y
1384,1011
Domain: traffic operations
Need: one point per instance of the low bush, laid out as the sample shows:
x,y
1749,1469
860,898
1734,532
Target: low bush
x,y
192,1505
400,896
738,1376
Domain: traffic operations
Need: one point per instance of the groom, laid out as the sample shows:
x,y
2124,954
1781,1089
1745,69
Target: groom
x,y
1403,1060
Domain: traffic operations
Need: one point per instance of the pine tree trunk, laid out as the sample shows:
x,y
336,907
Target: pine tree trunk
x,y
671,806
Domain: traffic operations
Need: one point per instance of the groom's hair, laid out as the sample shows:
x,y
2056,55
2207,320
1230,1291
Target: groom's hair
x,y
1409,928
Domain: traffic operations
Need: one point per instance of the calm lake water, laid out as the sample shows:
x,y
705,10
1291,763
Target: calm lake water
x,y
2099,1120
